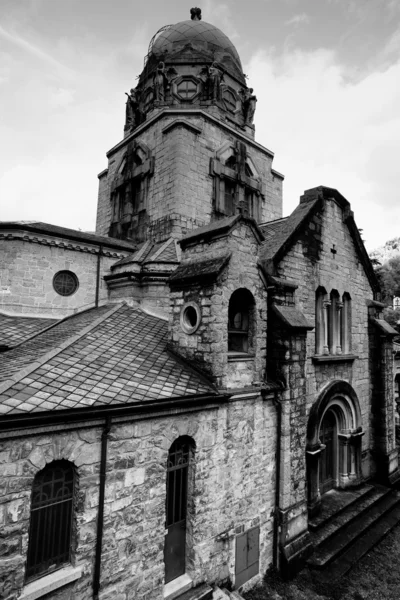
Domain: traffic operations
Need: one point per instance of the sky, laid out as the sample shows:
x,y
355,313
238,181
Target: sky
x,y
326,74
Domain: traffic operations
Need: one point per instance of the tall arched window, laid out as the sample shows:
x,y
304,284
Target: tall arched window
x,y
346,323
51,518
241,322
179,472
332,322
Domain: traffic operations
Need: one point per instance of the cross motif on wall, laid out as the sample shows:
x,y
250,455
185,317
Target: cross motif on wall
x,y
333,250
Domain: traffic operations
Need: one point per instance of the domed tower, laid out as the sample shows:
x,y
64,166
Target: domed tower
x,y
188,155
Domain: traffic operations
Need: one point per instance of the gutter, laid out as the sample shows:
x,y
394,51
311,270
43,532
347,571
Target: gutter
x,y
99,254
100,514
275,549
142,409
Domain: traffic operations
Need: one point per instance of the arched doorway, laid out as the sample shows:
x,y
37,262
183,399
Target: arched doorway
x,y
333,449
328,438
179,486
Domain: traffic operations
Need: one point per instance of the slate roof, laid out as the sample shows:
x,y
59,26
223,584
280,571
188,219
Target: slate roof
x,y
219,227
292,317
14,330
122,358
162,252
196,270
64,232
24,355
279,233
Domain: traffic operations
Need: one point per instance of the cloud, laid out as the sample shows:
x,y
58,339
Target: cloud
x,y
326,130
221,16
297,20
35,51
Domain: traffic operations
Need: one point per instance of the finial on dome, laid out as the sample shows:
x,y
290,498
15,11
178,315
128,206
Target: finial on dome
x,y
195,14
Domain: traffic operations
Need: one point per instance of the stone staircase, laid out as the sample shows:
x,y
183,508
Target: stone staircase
x,y
205,592
349,525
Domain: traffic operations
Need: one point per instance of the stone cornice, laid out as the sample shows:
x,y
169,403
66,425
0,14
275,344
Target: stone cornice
x,y
189,113
32,239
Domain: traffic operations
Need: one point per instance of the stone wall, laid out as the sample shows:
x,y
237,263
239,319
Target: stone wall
x,y
311,263
180,193
208,346
27,270
233,491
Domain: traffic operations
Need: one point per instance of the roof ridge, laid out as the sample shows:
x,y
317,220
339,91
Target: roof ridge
x,y
5,385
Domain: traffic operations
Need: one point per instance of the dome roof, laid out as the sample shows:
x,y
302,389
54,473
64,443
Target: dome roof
x,y
201,35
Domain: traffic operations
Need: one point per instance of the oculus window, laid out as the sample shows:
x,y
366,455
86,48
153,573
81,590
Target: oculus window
x,y
65,283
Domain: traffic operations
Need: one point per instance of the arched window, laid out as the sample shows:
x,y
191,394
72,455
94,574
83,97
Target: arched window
x,y
51,518
241,322
332,322
179,486
346,323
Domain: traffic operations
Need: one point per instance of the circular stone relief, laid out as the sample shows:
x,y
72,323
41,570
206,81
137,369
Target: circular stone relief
x,y
65,283
190,317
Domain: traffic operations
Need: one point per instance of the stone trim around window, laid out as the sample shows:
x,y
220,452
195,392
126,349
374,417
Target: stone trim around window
x,y
49,583
329,358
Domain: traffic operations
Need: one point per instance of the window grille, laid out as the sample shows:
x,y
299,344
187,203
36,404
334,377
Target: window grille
x,y
187,89
51,519
65,283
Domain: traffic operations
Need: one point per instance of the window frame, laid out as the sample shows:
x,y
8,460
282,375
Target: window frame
x,y
332,323
41,512
241,302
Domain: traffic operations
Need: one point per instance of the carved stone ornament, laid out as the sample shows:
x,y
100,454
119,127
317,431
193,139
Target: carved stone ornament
x,y
133,116
249,101
160,83
195,14
214,80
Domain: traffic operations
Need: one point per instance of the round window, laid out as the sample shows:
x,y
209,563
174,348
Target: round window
x,y
65,283
190,317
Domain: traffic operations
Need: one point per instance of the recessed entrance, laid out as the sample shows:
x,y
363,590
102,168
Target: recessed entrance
x,y
328,465
176,508
334,435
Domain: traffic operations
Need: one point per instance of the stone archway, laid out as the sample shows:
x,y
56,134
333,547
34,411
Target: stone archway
x,y
333,450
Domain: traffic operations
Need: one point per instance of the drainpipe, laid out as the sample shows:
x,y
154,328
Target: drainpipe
x,y
98,275
100,515
275,556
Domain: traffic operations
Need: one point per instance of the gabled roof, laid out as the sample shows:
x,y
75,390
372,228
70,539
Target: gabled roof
x,y
151,252
64,232
219,228
121,358
15,330
280,235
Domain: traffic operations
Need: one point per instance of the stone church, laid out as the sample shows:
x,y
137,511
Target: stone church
x,y
183,392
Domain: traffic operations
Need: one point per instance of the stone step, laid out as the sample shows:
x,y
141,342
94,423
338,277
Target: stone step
x,y
361,547
342,539
345,516
201,592
337,501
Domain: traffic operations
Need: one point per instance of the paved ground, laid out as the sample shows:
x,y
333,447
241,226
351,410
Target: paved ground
x,y
376,577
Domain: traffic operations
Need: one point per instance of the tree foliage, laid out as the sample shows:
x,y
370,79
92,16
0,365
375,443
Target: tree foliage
x,y
389,279
388,276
